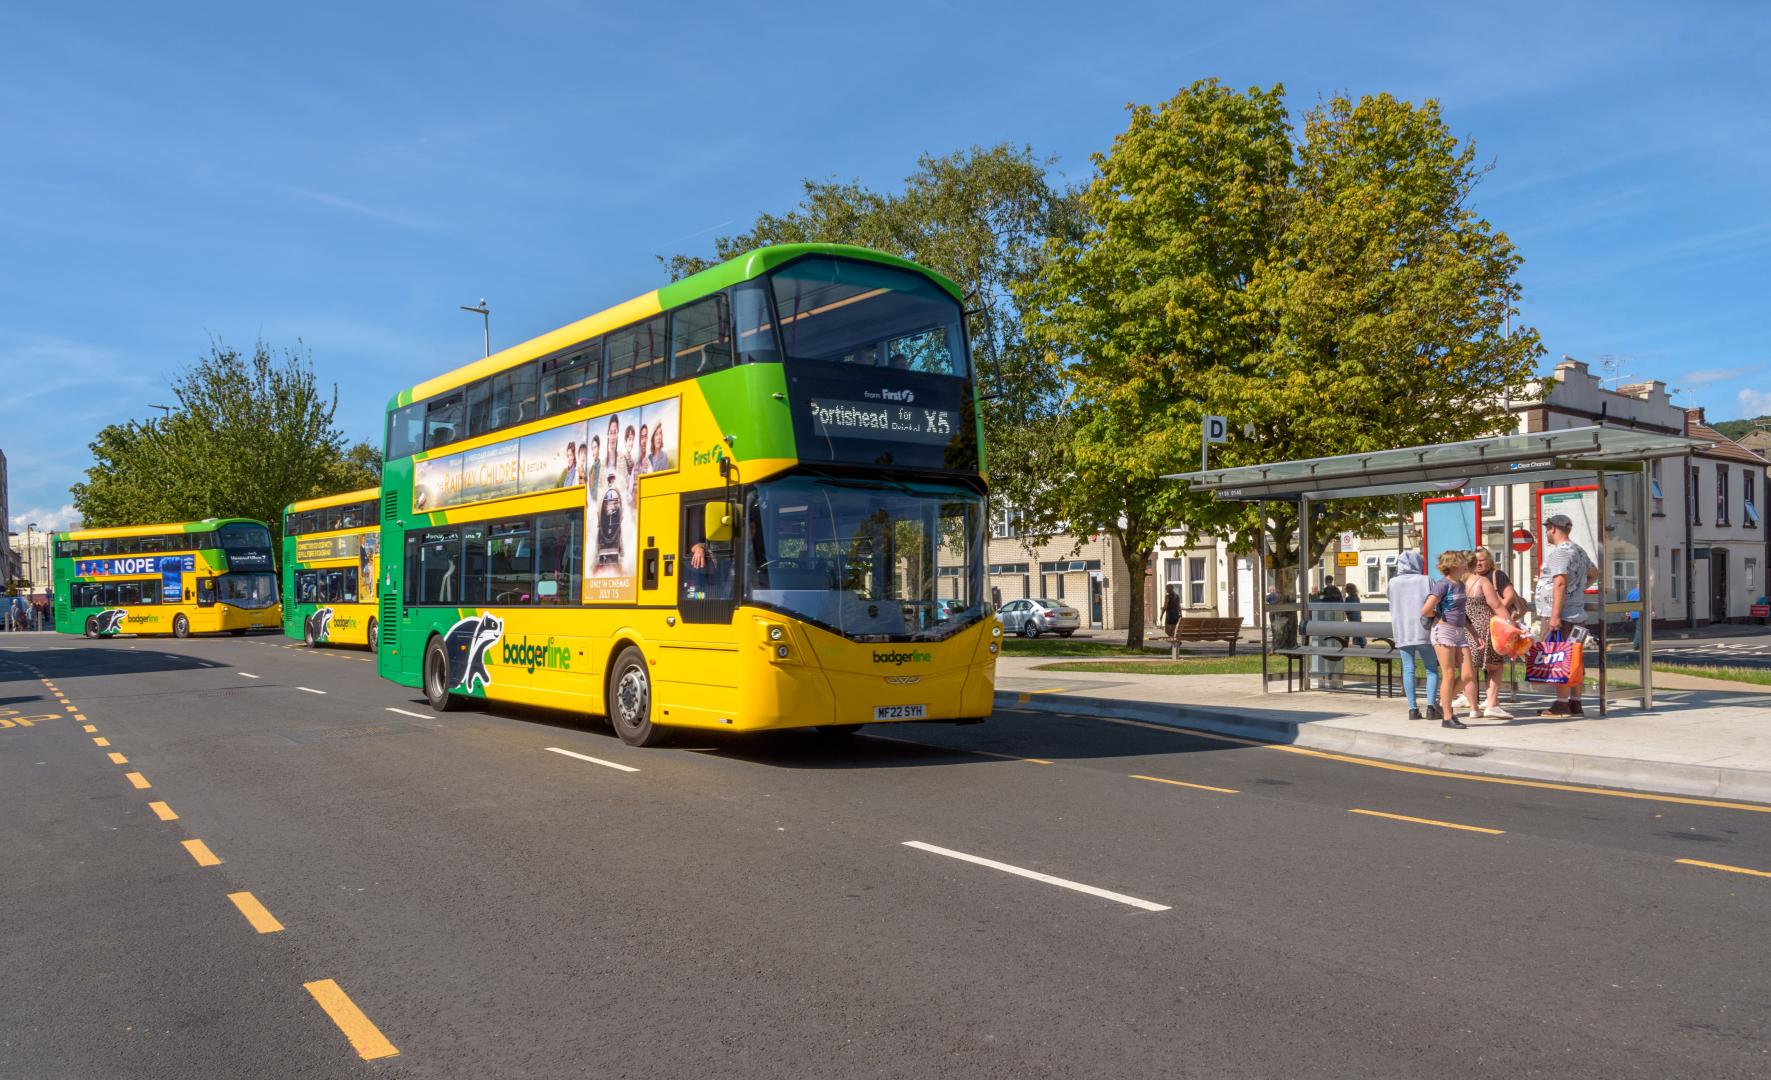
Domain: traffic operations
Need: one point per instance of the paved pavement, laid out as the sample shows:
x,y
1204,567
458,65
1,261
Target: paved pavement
x,y
471,902
1704,737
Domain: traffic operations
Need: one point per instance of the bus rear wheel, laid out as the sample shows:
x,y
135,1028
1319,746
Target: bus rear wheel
x,y
181,626
630,700
373,627
307,634
92,626
436,677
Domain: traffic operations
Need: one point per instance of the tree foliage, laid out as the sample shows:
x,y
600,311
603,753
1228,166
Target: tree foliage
x,y
250,434
983,217
1329,294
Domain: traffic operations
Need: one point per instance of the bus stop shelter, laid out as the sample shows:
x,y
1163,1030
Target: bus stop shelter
x,y
1613,460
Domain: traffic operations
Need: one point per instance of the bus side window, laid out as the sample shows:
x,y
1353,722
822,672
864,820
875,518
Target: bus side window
x,y
559,573
701,338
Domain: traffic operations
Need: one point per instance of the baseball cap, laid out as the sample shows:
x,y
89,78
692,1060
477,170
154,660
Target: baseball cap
x,y
1560,521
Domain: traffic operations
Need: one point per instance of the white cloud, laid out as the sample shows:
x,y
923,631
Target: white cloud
x,y
1755,403
61,518
1710,375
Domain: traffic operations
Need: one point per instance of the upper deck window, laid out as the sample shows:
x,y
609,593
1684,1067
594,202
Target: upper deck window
x,y
844,311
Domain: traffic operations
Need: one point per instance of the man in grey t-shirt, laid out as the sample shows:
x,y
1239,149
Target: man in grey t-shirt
x,y
1560,597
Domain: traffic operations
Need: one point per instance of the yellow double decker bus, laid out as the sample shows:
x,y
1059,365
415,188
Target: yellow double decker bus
x,y
331,556
182,578
751,499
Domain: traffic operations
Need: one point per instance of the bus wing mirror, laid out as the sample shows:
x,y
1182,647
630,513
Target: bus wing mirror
x,y
716,522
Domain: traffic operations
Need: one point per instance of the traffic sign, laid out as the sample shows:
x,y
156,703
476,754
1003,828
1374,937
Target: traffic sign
x,y
1522,539
1346,558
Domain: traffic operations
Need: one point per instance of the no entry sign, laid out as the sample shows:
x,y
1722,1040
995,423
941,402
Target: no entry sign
x,y
1521,539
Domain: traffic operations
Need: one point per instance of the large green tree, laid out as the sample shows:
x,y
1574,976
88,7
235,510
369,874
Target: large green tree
x,y
1328,294
983,217
251,432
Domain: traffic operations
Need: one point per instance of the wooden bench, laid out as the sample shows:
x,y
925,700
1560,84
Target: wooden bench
x,y
1339,639
1207,629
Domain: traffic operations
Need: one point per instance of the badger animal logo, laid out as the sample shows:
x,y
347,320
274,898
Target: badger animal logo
x,y
319,624
110,620
466,644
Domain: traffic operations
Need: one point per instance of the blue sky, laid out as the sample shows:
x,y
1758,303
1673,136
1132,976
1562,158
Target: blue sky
x,y
349,174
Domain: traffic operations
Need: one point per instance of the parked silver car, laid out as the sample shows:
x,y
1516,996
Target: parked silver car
x,y
1033,617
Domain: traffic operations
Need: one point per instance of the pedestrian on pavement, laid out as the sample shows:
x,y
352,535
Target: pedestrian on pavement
x,y
1171,611
1446,605
1560,599
1407,593
1351,595
1483,604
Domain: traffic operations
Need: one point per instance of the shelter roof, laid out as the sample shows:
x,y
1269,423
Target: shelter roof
x,y
1533,457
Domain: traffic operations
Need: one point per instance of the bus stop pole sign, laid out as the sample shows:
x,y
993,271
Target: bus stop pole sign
x,y
1214,429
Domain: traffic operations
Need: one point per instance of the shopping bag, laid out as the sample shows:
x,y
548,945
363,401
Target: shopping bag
x,y
1555,660
1508,638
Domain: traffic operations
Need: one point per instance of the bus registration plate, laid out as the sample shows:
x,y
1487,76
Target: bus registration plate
x,y
899,712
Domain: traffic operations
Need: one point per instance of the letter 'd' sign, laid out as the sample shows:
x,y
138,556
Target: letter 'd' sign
x,y
1217,429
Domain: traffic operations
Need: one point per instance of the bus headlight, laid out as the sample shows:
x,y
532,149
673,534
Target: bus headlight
x,y
780,651
994,647
996,630
776,633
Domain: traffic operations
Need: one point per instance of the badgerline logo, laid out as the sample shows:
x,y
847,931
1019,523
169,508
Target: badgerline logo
x,y
898,659
521,654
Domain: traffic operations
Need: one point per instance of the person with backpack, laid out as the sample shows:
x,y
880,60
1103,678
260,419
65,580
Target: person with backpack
x,y
1446,608
1407,594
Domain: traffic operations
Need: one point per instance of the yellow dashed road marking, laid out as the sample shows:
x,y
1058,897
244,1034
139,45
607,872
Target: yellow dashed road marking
x,y
364,1036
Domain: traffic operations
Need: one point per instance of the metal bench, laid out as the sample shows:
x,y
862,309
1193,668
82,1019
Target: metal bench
x,y
1338,637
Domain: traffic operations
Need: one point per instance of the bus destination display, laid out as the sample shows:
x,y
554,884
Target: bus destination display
x,y
882,420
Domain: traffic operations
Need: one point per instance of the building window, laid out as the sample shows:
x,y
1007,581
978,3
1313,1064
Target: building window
x,y
1691,497
1372,573
1752,574
1196,581
1749,505
1654,488
1674,577
1487,496
1721,494
1005,522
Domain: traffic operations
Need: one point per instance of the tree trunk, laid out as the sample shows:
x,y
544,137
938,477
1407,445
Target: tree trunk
x,y
1137,567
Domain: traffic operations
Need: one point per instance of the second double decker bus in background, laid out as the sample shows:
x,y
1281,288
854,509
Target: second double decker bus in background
x,y
751,499
331,557
182,578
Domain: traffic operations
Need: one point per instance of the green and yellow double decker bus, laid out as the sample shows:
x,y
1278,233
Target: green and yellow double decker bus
x,y
331,557
183,578
750,499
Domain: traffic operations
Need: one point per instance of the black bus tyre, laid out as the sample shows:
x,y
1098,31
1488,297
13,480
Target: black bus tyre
x,y
307,633
373,627
436,677
92,626
630,700
181,626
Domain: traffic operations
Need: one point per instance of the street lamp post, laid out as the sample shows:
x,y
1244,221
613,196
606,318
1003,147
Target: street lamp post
x,y
485,314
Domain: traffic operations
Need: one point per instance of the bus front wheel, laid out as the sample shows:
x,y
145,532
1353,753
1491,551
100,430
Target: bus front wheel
x,y
181,626
630,700
307,634
92,626
436,677
372,629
